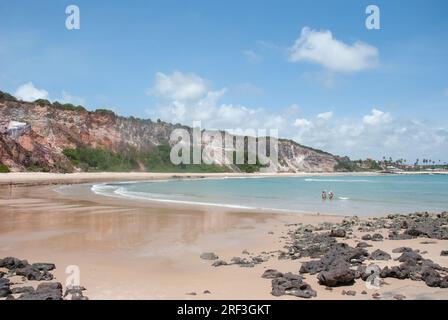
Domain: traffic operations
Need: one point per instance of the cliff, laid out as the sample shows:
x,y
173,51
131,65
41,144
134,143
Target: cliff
x,y
33,136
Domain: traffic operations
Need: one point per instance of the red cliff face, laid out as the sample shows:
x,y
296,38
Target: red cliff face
x,y
50,130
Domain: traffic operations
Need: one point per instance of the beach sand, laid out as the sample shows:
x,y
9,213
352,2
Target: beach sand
x,y
128,249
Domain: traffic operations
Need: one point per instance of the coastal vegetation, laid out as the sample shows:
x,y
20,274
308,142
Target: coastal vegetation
x,y
156,160
3,168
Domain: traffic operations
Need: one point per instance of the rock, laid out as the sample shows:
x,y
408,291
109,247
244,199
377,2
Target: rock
x,y
2,274
242,262
311,267
272,274
396,272
11,263
44,291
209,256
399,297
191,293
32,273
43,266
376,296
366,237
431,277
410,256
349,292
5,289
444,253
245,252
402,250
75,293
291,284
364,292
363,245
337,276
377,237
218,263
380,255
207,292
338,233
23,290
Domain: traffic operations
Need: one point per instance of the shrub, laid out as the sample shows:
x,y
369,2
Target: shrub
x,y
3,168
105,112
68,106
43,102
101,160
6,96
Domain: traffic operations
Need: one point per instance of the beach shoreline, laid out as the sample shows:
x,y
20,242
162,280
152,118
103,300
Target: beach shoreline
x,y
129,249
44,178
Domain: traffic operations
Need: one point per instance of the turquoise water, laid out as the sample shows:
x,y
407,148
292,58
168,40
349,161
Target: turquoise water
x,y
353,194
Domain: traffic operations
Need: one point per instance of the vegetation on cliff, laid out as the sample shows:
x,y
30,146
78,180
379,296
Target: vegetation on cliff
x,y
3,168
156,160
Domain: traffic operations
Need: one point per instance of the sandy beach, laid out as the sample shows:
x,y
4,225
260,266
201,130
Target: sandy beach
x,y
143,250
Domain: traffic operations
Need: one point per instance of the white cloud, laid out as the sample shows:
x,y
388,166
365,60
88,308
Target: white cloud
x,y
320,47
204,105
28,92
179,86
375,134
325,115
376,117
303,123
252,56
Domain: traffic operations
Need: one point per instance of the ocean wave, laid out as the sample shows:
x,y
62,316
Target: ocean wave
x,y
337,180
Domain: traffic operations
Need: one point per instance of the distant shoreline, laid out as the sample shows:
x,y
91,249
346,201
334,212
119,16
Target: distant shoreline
x,y
43,178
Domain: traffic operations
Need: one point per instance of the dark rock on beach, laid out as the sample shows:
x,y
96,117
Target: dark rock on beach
x,y
291,284
339,275
363,245
5,288
380,255
32,273
44,291
272,274
209,256
444,253
11,263
218,263
366,237
402,249
338,233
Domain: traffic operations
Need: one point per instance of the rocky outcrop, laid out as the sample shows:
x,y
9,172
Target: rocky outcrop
x,y
42,131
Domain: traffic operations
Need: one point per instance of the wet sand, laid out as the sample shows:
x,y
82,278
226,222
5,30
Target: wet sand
x,y
129,249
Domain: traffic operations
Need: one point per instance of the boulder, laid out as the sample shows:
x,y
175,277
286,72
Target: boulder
x,y
337,276
291,284
377,237
380,255
272,274
338,233
12,263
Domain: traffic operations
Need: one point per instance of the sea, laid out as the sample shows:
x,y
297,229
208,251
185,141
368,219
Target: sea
x,y
353,195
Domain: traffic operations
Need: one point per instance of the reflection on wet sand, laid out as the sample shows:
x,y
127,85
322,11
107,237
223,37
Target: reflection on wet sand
x,y
41,218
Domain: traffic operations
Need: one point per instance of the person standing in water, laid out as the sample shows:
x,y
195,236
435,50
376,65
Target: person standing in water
x,y
324,195
331,195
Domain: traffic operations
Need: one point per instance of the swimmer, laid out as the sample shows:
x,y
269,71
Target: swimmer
x,y
324,195
331,195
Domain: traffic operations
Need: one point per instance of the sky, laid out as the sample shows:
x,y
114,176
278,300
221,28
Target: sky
x,y
310,69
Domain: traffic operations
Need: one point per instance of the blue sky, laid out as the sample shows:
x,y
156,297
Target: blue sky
x,y
384,93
